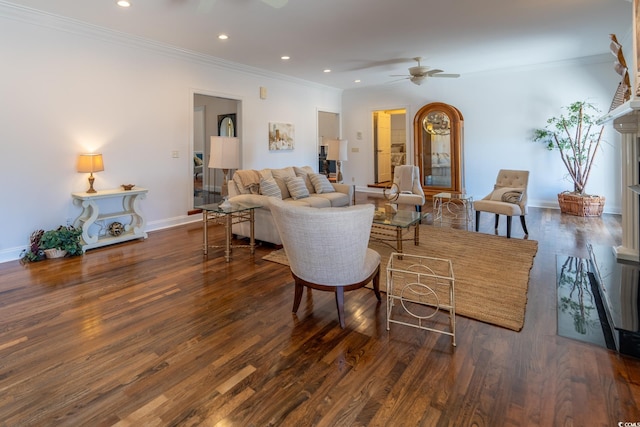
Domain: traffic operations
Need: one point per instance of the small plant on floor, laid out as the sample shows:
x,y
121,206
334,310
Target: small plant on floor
x,y
65,238
35,252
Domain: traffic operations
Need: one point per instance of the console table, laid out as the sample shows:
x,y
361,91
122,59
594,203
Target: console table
x,y
100,207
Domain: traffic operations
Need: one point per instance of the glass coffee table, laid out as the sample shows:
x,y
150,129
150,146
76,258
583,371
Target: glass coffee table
x,y
388,228
215,213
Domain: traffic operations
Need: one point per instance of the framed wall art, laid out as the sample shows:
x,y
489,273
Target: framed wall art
x,y
281,136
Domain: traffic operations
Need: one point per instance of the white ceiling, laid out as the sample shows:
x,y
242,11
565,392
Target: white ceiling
x,y
366,39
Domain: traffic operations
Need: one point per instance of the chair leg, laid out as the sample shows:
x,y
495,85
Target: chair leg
x,y
297,296
509,226
524,225
477,219
340,304
376,285
497,220
418,208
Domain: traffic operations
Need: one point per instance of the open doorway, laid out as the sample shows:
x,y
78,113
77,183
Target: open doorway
x,y
328,128
212,116
389,144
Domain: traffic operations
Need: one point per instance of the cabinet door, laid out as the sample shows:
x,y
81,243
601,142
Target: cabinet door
x,y
438,147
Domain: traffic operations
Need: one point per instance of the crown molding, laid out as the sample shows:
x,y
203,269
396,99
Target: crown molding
x,y
40,18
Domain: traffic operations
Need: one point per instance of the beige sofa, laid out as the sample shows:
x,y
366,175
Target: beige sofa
x,y
259,186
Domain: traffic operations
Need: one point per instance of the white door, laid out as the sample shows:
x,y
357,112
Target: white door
x,y
383,132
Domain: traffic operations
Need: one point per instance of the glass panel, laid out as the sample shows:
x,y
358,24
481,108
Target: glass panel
x,y
436,149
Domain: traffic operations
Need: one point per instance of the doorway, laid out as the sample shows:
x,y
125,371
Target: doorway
x,y
212,116
328,128
389,143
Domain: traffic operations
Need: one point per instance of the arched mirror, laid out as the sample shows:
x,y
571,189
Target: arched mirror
x,y
227,124
438,132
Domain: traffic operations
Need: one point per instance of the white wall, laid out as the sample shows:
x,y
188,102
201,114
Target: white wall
x,y
500,110
67,89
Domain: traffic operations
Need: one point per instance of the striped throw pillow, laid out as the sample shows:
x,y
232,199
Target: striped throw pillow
x,y
268,187
321,183
297,188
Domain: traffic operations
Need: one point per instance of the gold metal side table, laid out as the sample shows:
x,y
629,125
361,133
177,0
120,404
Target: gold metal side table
x,y
234,213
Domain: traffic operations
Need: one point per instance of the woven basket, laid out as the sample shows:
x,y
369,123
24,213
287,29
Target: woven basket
x,y
581,205
55,253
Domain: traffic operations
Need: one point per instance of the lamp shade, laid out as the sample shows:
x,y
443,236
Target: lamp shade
x,y
225,152
337,149
89,163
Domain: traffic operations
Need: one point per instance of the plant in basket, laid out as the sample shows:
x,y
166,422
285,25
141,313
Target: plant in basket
x,y
576,136
63,241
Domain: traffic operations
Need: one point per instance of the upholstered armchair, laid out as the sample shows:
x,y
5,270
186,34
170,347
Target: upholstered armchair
x,y
328,249
406,188
509,198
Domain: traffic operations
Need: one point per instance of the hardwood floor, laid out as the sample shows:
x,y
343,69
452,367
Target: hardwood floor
x,y
153,333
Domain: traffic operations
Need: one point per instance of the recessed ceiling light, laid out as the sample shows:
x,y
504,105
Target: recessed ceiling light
x,y
357,81
223,37
327,70
123,3
285,57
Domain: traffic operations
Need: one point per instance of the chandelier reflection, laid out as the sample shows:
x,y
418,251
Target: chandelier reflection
x,y
437,123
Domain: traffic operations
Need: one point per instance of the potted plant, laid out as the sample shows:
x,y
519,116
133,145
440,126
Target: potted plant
x,y
576,136
63,241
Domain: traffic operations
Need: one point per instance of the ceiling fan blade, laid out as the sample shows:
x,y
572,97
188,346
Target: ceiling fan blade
x,y
453,76
276,3
432,72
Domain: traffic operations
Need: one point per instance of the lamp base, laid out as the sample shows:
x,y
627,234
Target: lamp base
x,y
91,189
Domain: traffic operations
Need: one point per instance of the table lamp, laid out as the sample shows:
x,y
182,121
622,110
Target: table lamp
x,y
90,163
225,155
338,152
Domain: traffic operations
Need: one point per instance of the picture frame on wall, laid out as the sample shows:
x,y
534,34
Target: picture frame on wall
x,y
281,136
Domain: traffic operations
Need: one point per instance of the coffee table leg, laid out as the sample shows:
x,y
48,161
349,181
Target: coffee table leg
x,y
416,236
227,226
399,238
205,231
252,240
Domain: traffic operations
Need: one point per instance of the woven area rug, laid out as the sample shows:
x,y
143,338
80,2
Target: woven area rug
x,y
491,272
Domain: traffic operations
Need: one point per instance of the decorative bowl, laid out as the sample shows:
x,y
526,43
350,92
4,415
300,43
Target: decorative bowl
x,y
128,186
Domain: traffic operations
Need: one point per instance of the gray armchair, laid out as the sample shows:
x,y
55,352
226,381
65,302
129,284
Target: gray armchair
x,y
328,249
509,197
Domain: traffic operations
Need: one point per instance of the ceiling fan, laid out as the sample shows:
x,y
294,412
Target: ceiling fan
x,y
418,74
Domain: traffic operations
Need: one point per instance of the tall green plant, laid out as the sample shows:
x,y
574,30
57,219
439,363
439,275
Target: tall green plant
x,y
576,136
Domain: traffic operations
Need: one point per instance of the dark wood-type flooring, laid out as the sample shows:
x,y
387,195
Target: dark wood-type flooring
x,y
152,333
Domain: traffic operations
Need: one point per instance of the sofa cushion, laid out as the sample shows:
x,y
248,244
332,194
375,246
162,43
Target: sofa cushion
x,y
321,183
268,187
304,173
279,175
335,199
296,187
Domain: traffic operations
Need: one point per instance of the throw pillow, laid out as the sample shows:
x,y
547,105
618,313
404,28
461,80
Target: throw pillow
x,y
268,187
321,183
297,187
304,173
280,175
512,197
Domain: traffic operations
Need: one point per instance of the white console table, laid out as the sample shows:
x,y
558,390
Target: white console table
x,y
94,220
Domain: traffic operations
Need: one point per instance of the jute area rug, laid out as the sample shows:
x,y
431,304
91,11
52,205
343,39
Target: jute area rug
x,y
491,272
